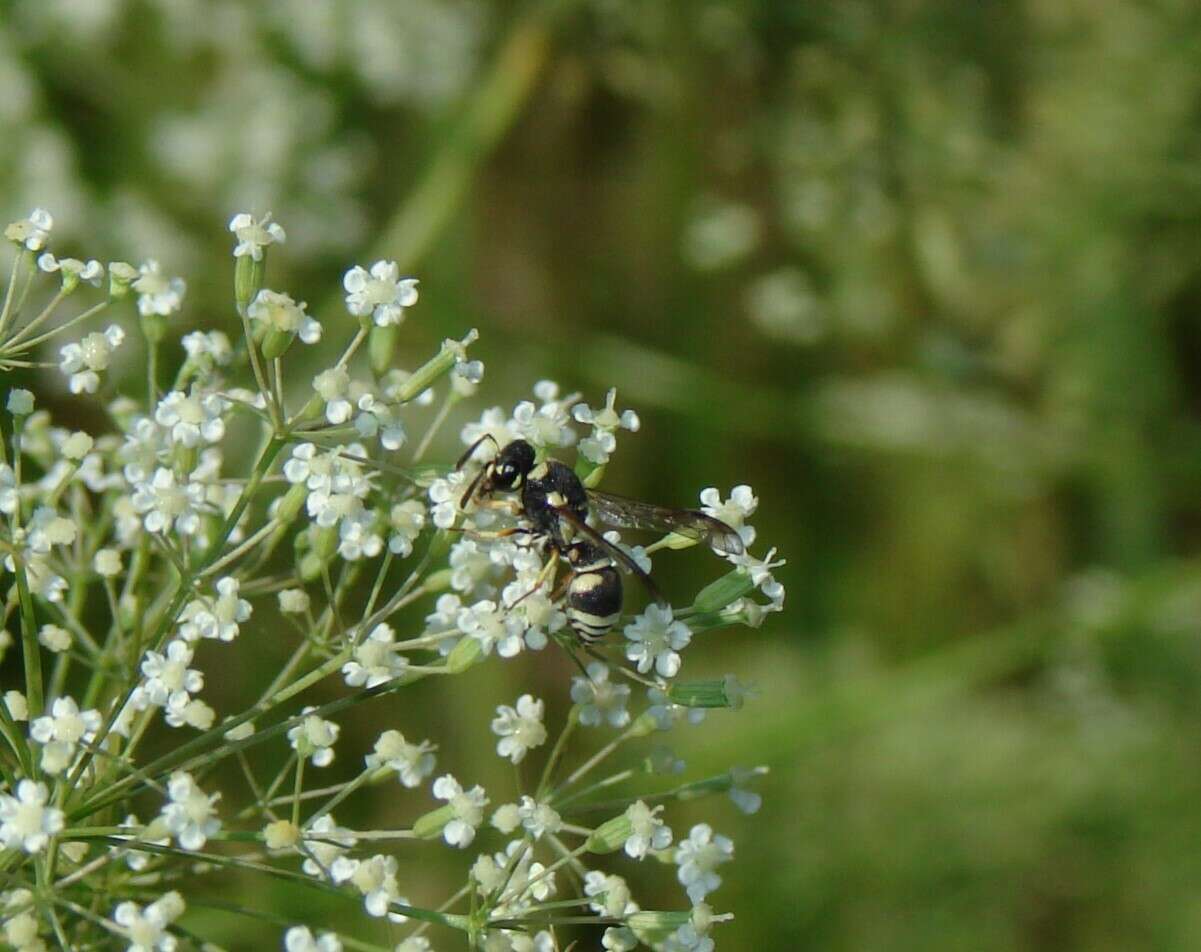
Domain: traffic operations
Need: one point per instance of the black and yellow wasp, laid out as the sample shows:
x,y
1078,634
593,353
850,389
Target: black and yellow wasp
x,y
557,505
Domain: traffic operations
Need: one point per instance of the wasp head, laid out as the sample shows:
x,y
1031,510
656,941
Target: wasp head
x,y
510,467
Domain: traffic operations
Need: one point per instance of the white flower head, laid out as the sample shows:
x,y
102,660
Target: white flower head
x,y
208,346
301,939
164,502
375,659
279,312
468,806
332,386
72,270
519,728
325,842
26,823
146,928
656,640
190,816
60,731
381,293
314,738
192,419
609,895
33,232
647,831
412,762
733,511
158,294
83,361
538,818
601,701
605,422
698,857
217,617
406,521
169,680
253,236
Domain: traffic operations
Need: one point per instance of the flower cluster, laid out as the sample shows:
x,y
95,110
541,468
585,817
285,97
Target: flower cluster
x,y
148,561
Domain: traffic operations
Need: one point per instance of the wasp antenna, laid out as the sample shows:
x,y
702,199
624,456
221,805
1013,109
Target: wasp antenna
x,y
473,447
471,488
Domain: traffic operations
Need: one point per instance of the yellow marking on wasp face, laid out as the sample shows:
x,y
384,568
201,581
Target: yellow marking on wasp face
x,y
539,471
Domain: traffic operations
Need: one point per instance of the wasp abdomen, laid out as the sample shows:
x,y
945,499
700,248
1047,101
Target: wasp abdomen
x,y
594,600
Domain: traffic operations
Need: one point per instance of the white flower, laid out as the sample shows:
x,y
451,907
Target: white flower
x,y
416,943
375,659
494,422
693,936
519,729
253,236
468,806
20,402
332,386
107,563
169,680
492,627
190,816
294,601
25,821
83,361
47,529
76,446
655,640
407,519
314,738
647,831
53,638
192,419
163,502
610,895
377,418
72,270
9,495
382,293
604,422
547,425
538,818
698,856
31,232
412,762
193,712
600,700
147,929
300,939
210,345
279,312
219,618
445,494
61,730
619,939
325,842
375,878
734,511
158,294
18,706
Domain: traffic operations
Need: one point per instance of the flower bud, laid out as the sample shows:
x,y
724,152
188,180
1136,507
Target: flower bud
x,y
248,279
466,653
275,342
611,835
381,346
646,725
728,589
291,503
728,692
430,824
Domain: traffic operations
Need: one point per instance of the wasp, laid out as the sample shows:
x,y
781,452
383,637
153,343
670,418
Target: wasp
x,y
556,504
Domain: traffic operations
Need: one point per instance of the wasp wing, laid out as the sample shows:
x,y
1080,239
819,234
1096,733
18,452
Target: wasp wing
x,y
616,553
626,513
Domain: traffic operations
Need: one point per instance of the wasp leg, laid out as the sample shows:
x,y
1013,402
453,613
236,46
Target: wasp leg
x,y
490,535
548,571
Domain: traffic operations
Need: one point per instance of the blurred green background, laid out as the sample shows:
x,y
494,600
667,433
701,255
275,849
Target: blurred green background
x,y
926,275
